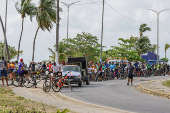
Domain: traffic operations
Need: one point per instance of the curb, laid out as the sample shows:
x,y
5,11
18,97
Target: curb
x,y
142,89
89,104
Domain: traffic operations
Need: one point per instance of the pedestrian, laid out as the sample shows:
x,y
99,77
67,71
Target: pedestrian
x,y
130,70
3,70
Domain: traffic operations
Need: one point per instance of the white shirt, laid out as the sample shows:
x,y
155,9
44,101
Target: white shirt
x,y
55,68
2,65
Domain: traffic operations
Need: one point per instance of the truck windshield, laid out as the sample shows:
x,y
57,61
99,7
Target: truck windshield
x,y
70,68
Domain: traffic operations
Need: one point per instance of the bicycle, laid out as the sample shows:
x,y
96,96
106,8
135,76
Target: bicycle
x,y
58,83
46,84
33,80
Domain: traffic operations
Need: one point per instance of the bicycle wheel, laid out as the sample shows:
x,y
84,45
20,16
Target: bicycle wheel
x,y
56,85
16,80
46,86
28,82
38,78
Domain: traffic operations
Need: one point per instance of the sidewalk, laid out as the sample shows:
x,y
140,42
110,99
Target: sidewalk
x,y
154,87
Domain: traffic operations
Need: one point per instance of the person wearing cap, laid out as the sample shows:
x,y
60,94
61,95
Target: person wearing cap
x,y
21,69
3,70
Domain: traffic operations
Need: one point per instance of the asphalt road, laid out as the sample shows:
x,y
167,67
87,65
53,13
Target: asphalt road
x,y
116,94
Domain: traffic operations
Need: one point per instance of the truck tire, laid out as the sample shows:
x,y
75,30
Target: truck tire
x,y
80,84
87,82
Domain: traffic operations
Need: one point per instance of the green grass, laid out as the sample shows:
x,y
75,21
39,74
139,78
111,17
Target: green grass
x,y
11,103
166,83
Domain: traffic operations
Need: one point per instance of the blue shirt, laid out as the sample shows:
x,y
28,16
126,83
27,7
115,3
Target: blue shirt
x,y
136,65
112,66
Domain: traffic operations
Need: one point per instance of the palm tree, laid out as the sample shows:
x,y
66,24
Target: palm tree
x,y
25,8
143,28
143,45
45,15
166,47
5,40
62,56
153,49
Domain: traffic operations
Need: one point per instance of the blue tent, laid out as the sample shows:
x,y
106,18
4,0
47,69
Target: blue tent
x,y
149,56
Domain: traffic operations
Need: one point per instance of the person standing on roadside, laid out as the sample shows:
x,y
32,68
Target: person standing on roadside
x,y
3,70
130,70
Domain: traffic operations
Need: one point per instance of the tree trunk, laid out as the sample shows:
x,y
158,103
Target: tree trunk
x,y
34,44
165,53
5,40
20,39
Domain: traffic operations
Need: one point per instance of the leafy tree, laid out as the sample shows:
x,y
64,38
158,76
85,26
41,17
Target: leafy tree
x,y
165,59
12,51
166,47
24,8
125,50
45,15
87,45
143,45
83,45
62,56
143,28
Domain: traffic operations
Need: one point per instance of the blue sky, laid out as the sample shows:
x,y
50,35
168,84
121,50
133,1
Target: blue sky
x,y
87,18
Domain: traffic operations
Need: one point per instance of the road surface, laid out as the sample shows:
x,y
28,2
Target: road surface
x,y
116,94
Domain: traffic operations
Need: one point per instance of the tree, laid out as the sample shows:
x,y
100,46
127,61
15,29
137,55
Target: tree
x,y
24,8
83,45
12,51
87,45
166,47
125,50
153,49
143,45
45,15
165,59
5,40
62,56
143,28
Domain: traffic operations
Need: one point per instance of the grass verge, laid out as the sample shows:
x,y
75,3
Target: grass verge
x,y
166,83
11,103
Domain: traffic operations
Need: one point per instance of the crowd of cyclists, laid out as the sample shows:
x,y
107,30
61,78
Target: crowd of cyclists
x,y
101,71
118,70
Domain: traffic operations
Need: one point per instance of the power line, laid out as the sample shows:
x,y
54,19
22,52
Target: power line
x,y
125,16
91,3
164,27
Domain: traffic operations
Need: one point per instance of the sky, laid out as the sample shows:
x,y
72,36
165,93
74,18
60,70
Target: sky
x,y
122,19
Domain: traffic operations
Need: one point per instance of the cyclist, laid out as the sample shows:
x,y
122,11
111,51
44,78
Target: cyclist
x,y
93,72
158,68
100,70
142,69
89,72
136,68
56,71
164,68
21,70
3,70
112,67
104,70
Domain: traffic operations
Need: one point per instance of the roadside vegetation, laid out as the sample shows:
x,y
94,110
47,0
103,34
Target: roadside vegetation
x,y
166,83
11,103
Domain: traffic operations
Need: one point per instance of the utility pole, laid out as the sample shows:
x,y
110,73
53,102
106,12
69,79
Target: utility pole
x,y
158,12
68,6
102,34
57,31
